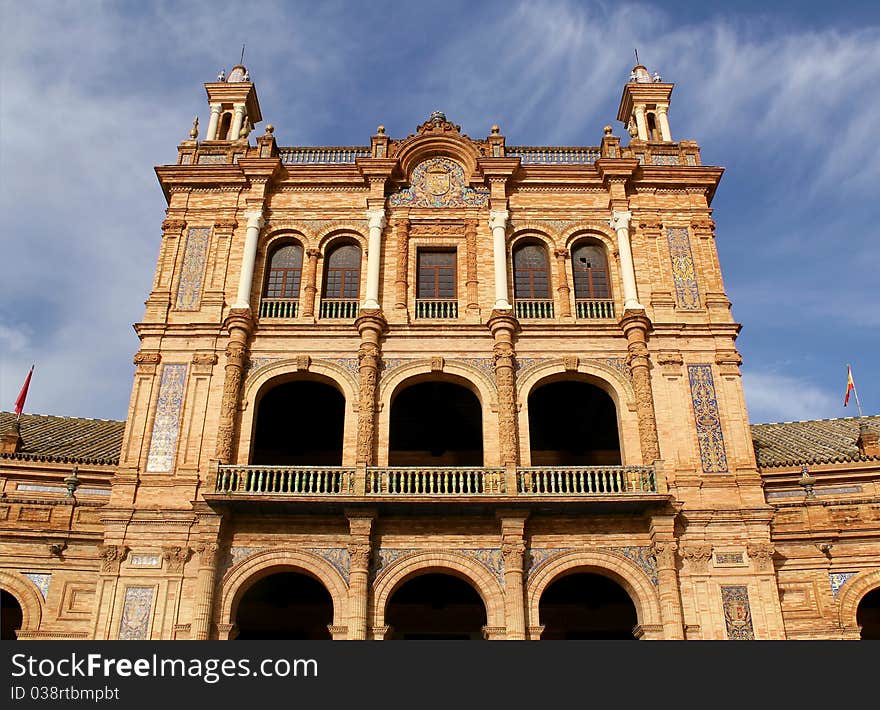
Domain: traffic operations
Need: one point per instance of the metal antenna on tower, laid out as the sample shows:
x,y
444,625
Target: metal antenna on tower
x,y
242,55
637,56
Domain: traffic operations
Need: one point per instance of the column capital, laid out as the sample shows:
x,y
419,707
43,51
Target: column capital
x,y
662,108
255,218
561,253
313,253
498,219
620,219
215,107
376,218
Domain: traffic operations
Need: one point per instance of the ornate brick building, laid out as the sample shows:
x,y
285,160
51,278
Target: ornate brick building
x,y
438,387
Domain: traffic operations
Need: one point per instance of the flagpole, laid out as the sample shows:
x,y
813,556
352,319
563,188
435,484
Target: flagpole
x,y
855,390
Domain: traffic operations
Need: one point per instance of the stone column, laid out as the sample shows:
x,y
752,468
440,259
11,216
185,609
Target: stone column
x,y
310,288
401,229
470,236
237,121
248,258
239,324
503,327
635,328
498,224
377,223
641,123
663,120
668,588
204,594
370,325
211,135
620,224
563,291
513,549
360,525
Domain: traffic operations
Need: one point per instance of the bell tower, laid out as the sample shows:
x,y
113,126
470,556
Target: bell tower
x,y
234,105
644,106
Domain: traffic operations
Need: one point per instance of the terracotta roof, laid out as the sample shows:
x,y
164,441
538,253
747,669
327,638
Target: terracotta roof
x,y
818,441
66,439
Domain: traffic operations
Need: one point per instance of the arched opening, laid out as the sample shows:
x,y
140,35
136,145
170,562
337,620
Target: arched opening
x,y
868,615
653,133
572,424
300,423
586,606
435,606
436,423
11,616
285,605
342,281
592,290
283,278
531,281
225,126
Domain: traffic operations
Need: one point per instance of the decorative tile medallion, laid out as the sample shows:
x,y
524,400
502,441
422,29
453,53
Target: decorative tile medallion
x,y
664,159
144,560
212,159
163,443
136,609
336,556
709,434
838,579
439,182
737,613
729,559
41,582
192,274
683,271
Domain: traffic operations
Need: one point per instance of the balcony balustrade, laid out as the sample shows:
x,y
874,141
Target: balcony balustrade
x,y
322,155
594,308
278,308
534,308
437,308
554,155
284,480
343,308
585,480
459,481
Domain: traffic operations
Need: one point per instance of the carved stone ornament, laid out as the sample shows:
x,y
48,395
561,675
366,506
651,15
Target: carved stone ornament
x,y
112,556
173,225
303,362
175,557
145,358
570,363
761,554
207,553
664,552
204,359
359,553
225,225
513,552
697,557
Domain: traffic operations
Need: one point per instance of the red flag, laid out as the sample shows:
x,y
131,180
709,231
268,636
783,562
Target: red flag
x,y
850,385
22,396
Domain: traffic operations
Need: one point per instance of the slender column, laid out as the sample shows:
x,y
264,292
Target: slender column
x,y
237,121
620,224
249,257
370,326
239,324
401,228
204,597
663,120
670,597
635,327
211,135
563,291
503,327
310,288
374,257
358,590
641,123
498,224
470,236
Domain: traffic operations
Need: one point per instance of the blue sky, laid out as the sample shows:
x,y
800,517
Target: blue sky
x,y
783,95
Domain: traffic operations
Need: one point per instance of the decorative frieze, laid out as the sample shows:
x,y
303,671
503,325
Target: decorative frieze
x,y
737,613
166,425
439,182
339,557
136,611
683,271
192,273
707,418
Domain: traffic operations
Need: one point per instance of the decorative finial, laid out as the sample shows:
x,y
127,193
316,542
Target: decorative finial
x,y
270,129
807,481
222,75
656,77
246,128
247,75
495,130
380,130
438,117
194,131
608,130
72,482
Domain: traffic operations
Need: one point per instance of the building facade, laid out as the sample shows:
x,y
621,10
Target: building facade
x,y
438,387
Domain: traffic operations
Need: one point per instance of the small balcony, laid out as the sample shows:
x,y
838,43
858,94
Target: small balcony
x,y
432,481
339,308
278,307
586,480
533,308
284,480
436,308
594,308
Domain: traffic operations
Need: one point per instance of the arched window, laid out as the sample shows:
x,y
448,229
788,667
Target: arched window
x,y
224,127
531,281
653,132
591,289
342,281
282,282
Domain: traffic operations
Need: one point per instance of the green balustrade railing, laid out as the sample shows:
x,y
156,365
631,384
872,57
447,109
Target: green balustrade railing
x,y
436,308
414,481
284,480
533,308
594,308
278,308
344,308
585,480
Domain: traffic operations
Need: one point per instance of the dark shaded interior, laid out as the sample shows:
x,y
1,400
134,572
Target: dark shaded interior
x,y
436,424
436,606
573,424
868,616
11,616
287,606
586,606
300,424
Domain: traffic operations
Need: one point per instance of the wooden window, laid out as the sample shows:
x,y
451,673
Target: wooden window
x,y
436,274
590,272
342,278
531,278
285,272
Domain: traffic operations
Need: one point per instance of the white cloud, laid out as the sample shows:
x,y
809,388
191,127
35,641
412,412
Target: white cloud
x,y
774,397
